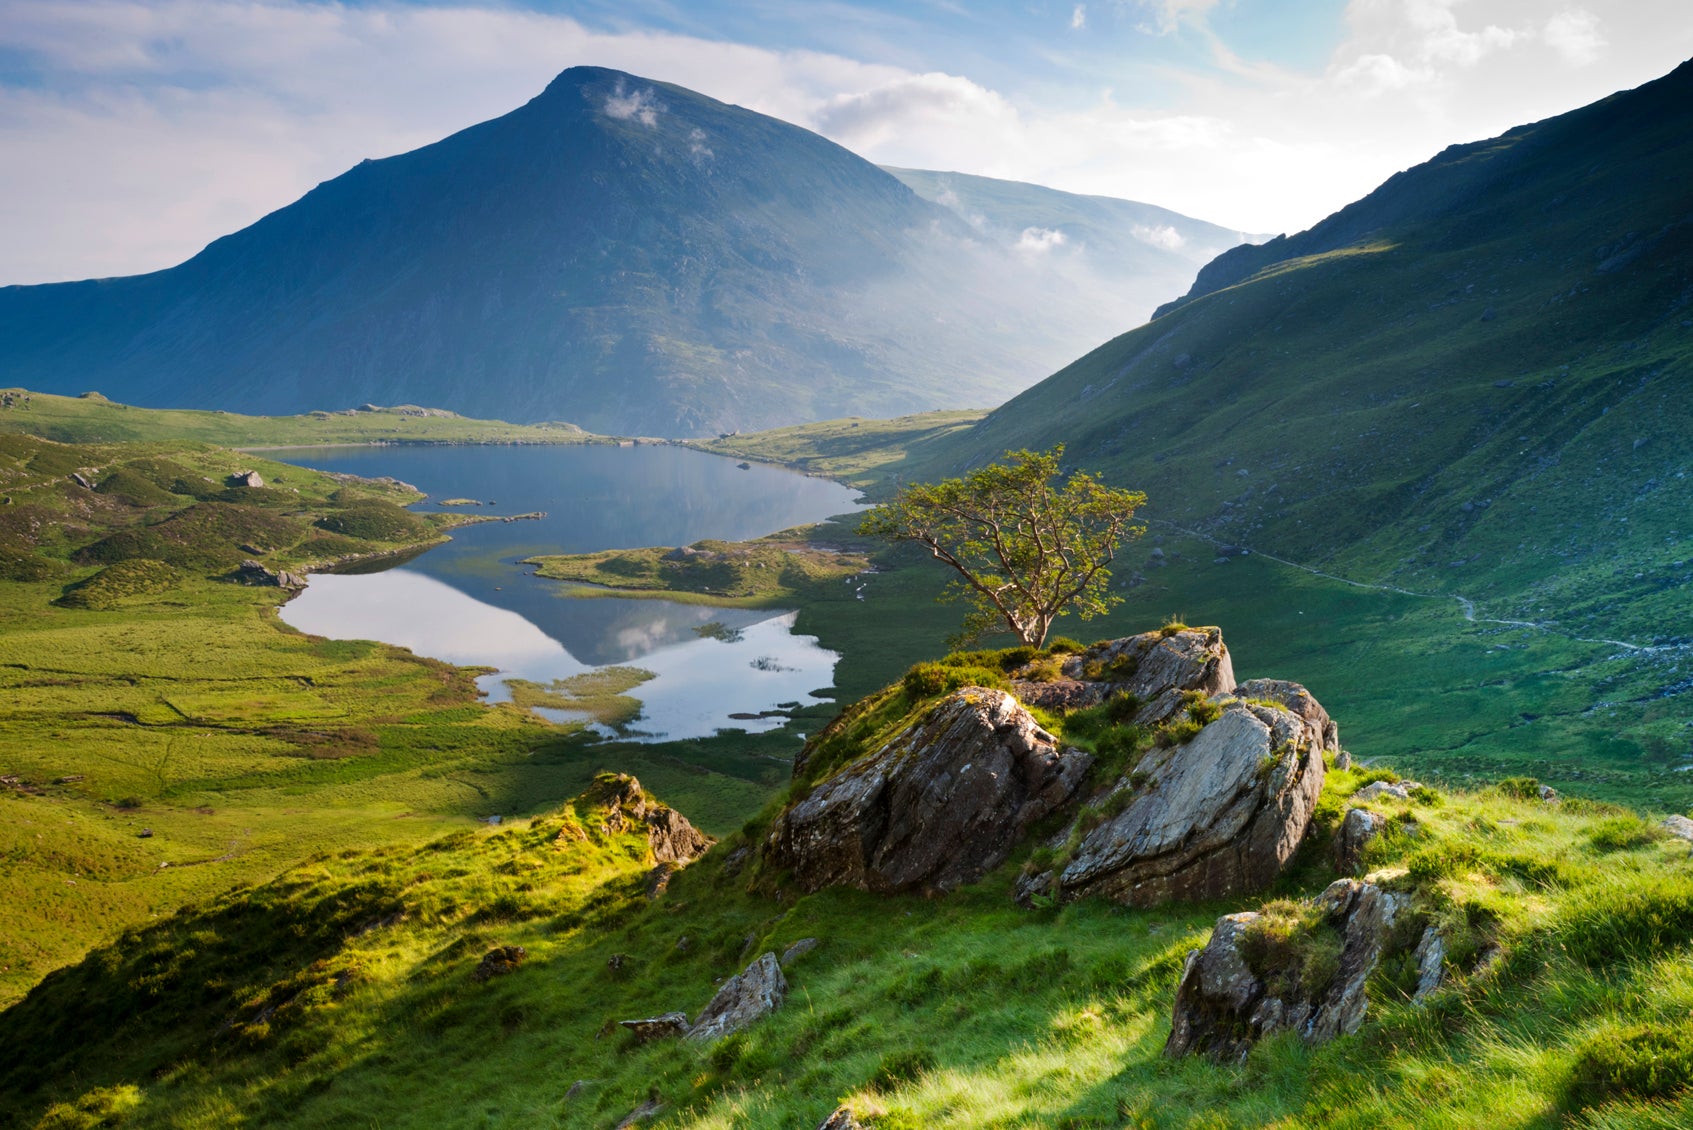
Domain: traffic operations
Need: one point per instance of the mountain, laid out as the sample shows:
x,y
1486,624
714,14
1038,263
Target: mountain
x,y
625,254
1474,380
1133,252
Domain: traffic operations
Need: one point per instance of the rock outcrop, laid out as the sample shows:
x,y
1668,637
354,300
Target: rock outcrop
x,y
1298,700
1357,828
671,837
245,479
1156,667
1234,992
744,999
256,573
940,805
1218,815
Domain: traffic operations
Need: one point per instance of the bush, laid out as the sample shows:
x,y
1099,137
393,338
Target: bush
x,y
1520,788
1622,833
1647,917
137,490
926,680
1647,1061
1063,645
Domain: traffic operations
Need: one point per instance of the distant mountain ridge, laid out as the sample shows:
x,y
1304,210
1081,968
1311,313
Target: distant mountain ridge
x,y
1478,378
621,253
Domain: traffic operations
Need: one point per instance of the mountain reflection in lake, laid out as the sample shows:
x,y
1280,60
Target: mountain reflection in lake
x,y
470,602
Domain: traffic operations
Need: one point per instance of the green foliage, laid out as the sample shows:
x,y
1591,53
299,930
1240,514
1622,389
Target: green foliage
x,y
1519,788
1624,832
1631,916
134,488
27,567
1293,948
1641,1061
1024,549
374,520
114,583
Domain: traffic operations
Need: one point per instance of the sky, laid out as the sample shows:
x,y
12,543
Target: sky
x,y
133,132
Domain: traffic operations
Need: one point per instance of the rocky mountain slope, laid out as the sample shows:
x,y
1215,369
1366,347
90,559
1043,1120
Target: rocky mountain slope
x,y
625,254
1474,380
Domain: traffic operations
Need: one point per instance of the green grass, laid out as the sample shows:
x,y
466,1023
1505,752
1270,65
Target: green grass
x,y
93,419
599,694
343,992
146,694
856,451
769,572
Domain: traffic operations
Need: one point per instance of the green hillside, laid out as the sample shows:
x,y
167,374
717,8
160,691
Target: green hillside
x,y
353,989
1474,383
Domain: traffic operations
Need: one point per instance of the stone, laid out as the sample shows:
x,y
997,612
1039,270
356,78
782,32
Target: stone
x,y
670,836
81,480
499,961
938,806
1223,1006
258,574
1393,790
245,479
1679,826
798,950
841,1119
1547,793
578,1087
670,1026
1219,815
1299,701
658,879
744,999
1357,828
1342,760
1155,667
1430,956
649,1109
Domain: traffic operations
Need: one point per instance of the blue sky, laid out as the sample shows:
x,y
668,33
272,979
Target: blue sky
x,y
135,131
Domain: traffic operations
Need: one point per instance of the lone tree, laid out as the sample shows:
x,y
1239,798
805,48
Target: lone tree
x,y
1025,549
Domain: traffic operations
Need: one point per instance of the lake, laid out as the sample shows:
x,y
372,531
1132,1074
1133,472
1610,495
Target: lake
x,y
471,602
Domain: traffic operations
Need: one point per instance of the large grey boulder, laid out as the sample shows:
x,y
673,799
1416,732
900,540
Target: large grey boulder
x,y
1155,667
940,805
1224,1005
1218,815
744,999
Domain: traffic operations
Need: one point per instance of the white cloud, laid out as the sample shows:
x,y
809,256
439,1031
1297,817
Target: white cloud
x,y
1161,235
640,105
1168,16
1038,241
1079,17
166,123
1574,34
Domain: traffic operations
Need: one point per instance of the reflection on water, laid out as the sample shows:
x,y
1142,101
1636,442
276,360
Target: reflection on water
x,y
469,602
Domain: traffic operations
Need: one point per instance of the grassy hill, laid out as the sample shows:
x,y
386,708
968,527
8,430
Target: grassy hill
x,y
347,990
93,418
1468,393
164,737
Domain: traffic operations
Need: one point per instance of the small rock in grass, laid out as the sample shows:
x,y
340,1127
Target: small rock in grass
x,y
499,961
667,1027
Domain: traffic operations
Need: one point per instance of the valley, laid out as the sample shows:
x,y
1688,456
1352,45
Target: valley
x,y
383,764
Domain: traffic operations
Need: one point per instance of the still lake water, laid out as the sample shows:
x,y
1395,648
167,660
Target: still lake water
x,y
471,602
